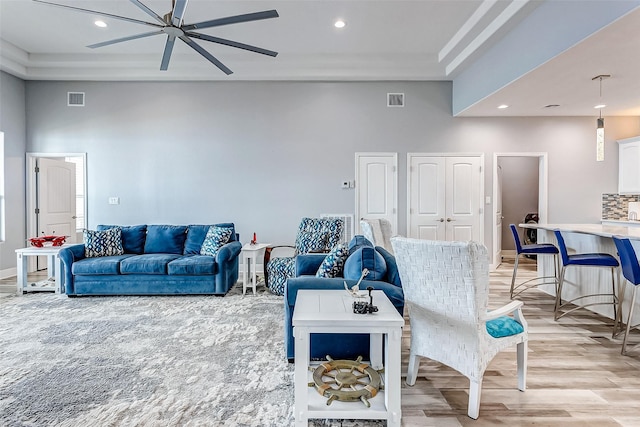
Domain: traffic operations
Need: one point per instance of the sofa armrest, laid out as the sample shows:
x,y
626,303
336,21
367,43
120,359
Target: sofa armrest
x,y
308,264
228,252
69,255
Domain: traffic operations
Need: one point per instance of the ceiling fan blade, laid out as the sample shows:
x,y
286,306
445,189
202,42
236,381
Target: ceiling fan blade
x,y
195,46
109,15
166,56
232,44
124,39
178,12
256,16
149,11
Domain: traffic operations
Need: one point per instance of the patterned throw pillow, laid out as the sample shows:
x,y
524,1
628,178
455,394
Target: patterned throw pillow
x,y
103,243
216,238
333,263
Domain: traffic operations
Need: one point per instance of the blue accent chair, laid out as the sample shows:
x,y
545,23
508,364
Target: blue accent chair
x,y
601,260
631,272
534,249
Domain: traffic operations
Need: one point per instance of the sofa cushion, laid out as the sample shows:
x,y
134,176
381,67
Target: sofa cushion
x,y
393,275
357,242
147,264
133,237
503,326
165,239
101,265
103,243
333,263
215,239
196,234
365,257
193,265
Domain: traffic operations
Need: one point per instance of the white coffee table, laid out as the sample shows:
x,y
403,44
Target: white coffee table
x,y
250,255
330,311
55,269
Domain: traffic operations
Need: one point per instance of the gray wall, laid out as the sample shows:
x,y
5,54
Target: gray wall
x,y
265,154
519,193
13,124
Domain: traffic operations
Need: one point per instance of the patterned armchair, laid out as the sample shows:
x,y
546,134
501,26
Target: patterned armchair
x,y
314,235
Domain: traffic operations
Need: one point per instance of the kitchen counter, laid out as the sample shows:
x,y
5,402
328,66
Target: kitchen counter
x,y
623,222
586,238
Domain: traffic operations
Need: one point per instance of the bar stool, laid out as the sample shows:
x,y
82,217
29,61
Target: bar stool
x,y
631,272
585,260
534,249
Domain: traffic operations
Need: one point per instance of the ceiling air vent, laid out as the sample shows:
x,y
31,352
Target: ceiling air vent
x,y
75,99
395,100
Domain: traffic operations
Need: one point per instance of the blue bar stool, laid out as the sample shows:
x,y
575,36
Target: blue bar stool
x,y
535,249
585,260
631,272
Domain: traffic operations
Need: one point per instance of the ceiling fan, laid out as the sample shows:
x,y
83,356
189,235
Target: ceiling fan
x,y
173,26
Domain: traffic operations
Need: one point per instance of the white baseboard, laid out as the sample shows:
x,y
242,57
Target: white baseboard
x,y
9,272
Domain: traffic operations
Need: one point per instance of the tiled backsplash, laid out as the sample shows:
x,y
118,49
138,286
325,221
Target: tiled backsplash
x,y
614,206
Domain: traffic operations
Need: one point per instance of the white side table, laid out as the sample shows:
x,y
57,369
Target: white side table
x,y
55,268
250,254
330,311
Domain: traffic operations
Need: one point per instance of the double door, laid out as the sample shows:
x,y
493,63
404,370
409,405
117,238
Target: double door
x,y
444,197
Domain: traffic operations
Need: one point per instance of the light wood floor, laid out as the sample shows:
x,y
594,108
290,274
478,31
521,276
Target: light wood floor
x,y
576,375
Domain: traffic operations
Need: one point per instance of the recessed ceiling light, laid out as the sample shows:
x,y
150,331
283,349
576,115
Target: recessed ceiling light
x,y
100,24
599,106
503,106
339,23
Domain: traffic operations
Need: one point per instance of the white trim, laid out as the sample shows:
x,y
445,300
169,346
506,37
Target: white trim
x,y
543,192
9,272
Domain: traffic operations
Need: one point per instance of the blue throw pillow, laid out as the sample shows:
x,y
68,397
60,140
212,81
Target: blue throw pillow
x,y
357,242
216,238
333,263
504,326
365,257
103,243
133,237
196,234
165,239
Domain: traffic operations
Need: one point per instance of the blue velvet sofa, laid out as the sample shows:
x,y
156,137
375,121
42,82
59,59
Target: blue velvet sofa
x,y
384,276
157,260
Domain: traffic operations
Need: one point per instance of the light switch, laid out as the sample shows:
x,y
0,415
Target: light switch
x,y
487,200
114,200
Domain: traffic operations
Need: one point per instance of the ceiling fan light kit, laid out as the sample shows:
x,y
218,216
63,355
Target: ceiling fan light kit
x,y
173,26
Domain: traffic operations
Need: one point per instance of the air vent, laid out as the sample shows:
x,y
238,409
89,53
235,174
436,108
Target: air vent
x,y
395,100
75,99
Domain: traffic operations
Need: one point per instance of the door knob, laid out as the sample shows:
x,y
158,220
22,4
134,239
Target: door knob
x,y
449,219
440,220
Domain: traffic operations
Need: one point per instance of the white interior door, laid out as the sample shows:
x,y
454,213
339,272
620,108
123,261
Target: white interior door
x,y
376,187
427,208
444,197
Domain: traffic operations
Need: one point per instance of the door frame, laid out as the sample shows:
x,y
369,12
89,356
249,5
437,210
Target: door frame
x,y
394,223
452,154
543,191
31,192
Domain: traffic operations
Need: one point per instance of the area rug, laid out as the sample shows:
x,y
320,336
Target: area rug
x,y
146,361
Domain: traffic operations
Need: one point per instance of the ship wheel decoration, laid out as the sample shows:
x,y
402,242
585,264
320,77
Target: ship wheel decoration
x,y
346,380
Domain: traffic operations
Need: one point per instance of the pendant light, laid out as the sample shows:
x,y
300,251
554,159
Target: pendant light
x,y
600,122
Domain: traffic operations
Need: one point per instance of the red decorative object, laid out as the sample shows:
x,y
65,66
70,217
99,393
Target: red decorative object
x,y
40,242
255,239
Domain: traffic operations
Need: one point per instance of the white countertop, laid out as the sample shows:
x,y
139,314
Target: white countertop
x,y
632,232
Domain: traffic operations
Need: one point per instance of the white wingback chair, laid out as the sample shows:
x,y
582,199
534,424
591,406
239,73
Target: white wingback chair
x,y
378,232
446,289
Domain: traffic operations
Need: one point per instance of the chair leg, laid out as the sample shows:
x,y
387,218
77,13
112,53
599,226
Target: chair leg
x,y
626,334
616,301
559,293
513,277
412,370
622,284
475,390
522,365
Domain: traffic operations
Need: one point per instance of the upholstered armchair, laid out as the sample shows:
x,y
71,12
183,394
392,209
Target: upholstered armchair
x,y
446,290
378,232
315,235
